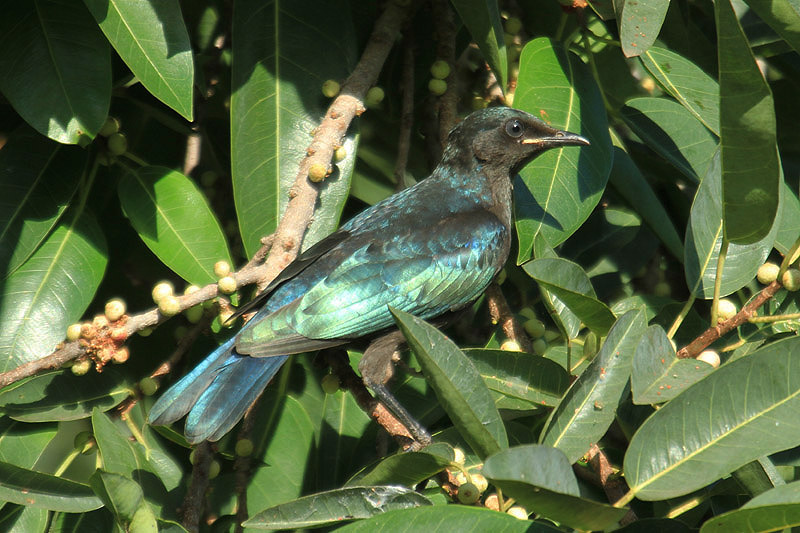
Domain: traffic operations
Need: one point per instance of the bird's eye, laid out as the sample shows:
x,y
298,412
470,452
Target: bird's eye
x,y
514,128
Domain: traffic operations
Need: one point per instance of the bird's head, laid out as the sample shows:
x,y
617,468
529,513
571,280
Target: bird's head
x,y
506,138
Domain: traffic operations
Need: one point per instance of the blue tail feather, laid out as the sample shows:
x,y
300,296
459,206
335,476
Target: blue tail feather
x,y
216,393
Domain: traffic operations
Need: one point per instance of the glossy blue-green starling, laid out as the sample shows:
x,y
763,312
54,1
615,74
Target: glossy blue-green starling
x,y
428,250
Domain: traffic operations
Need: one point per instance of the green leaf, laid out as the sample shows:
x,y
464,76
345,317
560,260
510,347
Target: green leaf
x,y
482,19
789,220
571,285
773,510
50,291
658,375
458,385
673,132
589,407
450,517
783,16
152,40
751,173
687,83
639,24
55,68
560,187
531,379
125,499
406,468
60,395
37,179
707,432
629,182
22,519
567,321
541,478
174,220
336,505
22,444
758,476
281,56
43,491
704,240
100,520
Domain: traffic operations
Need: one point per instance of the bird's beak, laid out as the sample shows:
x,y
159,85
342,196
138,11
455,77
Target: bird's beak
x,y
558,138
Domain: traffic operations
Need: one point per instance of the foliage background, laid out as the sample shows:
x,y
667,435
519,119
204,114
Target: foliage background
x,y
689,186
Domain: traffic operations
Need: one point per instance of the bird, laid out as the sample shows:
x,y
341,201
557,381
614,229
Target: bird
x,y
428,250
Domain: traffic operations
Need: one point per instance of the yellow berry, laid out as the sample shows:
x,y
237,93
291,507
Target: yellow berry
x,y
81,367
74,332
767,273
340,154
121,355
227,285
517,511
115,309
458,456
222,269
510,346
726,309
162,289
317,172
330,88
169,306
709,356
480,482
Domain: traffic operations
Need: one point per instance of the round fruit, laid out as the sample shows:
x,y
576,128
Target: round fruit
x,y
458,456
162,289
227,285
767,273
190,289
193,457
330,383
117,143
145,332
81,367
115,309
317,172
709,356
518,511
244,447
513,25
74,332
148,386
330,88
437,87
169,306
440,69
481,482
510,346
468,494
374,97
539,346
121,355
222,269
791,279
194,314
84,442
214,468
726,309
492,502
109,127
535,328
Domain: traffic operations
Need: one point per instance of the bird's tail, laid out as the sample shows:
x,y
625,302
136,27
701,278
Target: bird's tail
x,y
216,393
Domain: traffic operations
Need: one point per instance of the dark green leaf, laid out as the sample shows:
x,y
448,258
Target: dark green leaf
x,y
125,499
50,291
458,385
43,491
789,220
281,57
152,40
704,239
37,180
658,375
751,173
23,444
707,432
673,132
587,410
335,506
59,395
98,521
407,468
567,321
541,478
639,23
571,285
783,16
531,379
560,187
774,510
758,476
482,19
175,221
55,68
23,519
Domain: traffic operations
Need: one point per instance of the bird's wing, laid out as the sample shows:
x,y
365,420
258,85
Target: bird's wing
x,y
424,272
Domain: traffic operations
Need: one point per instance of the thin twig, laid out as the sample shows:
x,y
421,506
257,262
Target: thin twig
x,y
614,487
406,112
501,313
446,51
193,502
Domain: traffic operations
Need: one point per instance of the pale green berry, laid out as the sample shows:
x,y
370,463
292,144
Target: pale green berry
x,y
145,332
513,25
374,97
791,279
244,447
109,127
222,269
74,332
662,288
437,87
213,469
539,346
161,290
194,314
468,494
440,69
340,154
535,328
330,88
117,143
115,309
227,285
767,273
169,306
330,383
148,386
709,356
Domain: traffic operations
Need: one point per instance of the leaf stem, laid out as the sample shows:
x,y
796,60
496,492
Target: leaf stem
x,y
774,318
681,316
133,429
626,498
136,159
67,462
684,507
723,252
